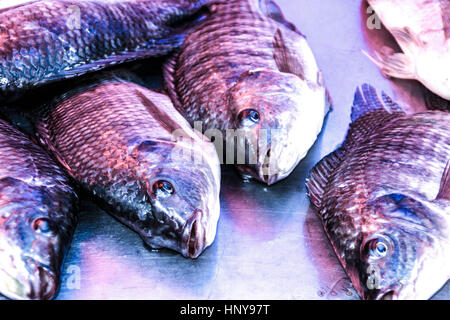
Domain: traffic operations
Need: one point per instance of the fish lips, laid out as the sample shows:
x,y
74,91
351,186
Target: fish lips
x,y
270,169
33,282
193,238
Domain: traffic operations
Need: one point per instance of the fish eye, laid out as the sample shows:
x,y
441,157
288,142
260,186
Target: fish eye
x,y
163,188
249,117
378,248
43,225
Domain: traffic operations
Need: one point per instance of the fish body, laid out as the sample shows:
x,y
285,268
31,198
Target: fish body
x,y
43,41
384,199
128,146
422,30
247,74
38,214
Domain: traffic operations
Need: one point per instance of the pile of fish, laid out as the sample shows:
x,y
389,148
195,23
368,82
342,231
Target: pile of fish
x,y
241,87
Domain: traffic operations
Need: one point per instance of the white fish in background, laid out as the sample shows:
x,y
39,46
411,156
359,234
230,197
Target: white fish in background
x,y
422,30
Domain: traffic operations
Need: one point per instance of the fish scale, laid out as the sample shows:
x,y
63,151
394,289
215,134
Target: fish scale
x,y
44,41
383,182
116,138
33,189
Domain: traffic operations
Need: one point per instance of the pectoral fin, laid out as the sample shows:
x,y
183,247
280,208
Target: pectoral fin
x,y
396,65
444,190
399,65
285,58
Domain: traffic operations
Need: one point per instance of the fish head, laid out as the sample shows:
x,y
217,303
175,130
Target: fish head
x,y
277,117
30,241
403,252
183,189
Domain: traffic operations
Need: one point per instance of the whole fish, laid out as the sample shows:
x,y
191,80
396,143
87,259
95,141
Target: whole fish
x,y
247,74
384,199
422,30
128,146
38,214
44,41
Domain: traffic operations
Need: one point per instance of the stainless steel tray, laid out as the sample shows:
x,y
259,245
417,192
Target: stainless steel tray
x,y
270,244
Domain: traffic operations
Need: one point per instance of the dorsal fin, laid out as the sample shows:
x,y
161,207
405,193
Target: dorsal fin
x,y
368,114
320,174
169,68
444,190
286,59
366,101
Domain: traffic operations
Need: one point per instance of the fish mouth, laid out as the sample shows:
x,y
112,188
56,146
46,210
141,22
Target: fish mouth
x,y
267,174
193,237
47,284
274,168
41,284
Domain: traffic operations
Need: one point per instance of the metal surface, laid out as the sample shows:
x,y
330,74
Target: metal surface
x,y
270,244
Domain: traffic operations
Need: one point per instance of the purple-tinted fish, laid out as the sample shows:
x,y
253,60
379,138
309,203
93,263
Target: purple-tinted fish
x,y
384,199
117,139
422,30
247,74
38,214
44,41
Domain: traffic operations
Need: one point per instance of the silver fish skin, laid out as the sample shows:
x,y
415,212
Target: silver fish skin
x,y
245,68
38,215
422,30
44,41
129,146
384,199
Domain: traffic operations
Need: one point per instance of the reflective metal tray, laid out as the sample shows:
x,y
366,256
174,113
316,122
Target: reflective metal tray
x,y
270,244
